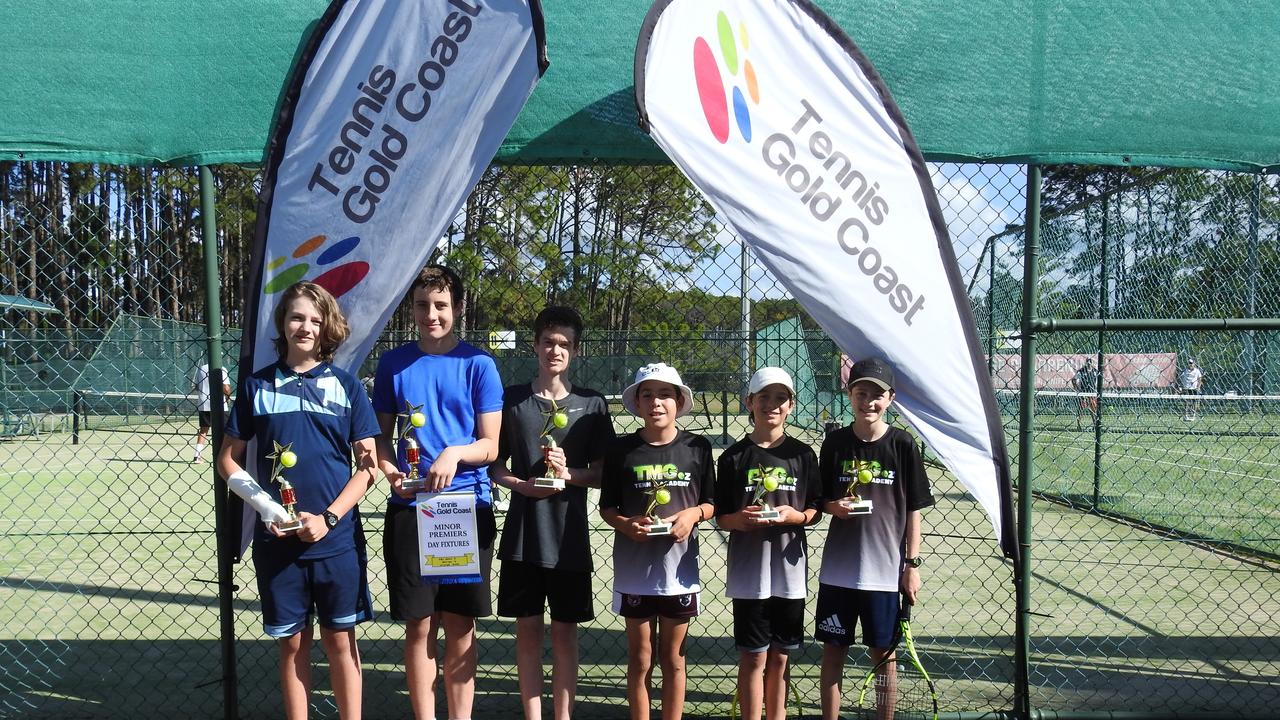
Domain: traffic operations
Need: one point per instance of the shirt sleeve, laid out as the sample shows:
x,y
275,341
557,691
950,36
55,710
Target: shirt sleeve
x,y
240,420
812,485
919,496
602,432
707,485
364,424
384,387
486,387
726,503
610,487
827,471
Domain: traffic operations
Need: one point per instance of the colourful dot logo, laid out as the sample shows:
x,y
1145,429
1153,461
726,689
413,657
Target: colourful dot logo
x,y
337,280
711,84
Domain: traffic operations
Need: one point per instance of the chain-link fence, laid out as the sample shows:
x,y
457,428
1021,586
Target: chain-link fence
x,y
1155,523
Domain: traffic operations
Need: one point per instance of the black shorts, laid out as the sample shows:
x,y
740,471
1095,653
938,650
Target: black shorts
x,y
526,589
640,607
413,599
840,609
206,419
770,622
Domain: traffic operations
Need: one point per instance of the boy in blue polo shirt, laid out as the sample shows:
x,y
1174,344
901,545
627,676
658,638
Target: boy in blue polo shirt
x,y
457,387
322,414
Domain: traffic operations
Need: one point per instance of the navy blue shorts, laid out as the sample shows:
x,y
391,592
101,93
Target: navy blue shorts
x,y
333,589
839,610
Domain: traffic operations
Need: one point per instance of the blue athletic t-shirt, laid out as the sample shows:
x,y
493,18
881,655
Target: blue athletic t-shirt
x,y
320,412
453,389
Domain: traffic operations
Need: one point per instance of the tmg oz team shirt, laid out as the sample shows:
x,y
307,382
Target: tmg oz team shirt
x,y
660,565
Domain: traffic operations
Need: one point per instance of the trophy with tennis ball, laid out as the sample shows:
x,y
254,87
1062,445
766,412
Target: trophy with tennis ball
x,y
283,458
412,418
555,419
658,495
862,475
765,483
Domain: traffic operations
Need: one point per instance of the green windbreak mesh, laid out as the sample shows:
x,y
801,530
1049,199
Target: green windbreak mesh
x,y
1071,81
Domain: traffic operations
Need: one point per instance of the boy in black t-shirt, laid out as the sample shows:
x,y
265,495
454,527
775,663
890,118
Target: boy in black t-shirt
x,y
664,472
545,551
868,559
766,493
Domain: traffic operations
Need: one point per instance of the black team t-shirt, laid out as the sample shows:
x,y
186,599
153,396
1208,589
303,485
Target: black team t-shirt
x,y
552,531
865,551
771,561
660,565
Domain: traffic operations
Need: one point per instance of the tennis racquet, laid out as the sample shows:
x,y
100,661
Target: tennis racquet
x,y
898,688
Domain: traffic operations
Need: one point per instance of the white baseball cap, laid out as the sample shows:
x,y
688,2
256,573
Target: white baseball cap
x,y
766,376
660,372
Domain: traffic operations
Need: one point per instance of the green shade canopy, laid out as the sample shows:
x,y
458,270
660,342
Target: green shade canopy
x,y
1072,81
22,304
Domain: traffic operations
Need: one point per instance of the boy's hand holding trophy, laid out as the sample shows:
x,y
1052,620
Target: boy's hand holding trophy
x,y
285,458
658,495
861,475
556,419
765,483
410,419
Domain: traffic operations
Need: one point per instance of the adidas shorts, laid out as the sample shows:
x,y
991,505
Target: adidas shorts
x,y
840,609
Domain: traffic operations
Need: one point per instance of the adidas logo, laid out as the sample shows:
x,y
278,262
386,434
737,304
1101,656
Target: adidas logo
x,y
832,625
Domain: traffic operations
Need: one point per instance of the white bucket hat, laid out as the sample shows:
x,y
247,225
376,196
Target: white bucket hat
x,y
766,376
660,372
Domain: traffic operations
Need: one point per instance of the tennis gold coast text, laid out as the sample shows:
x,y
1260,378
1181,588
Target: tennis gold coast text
x,y
867,209
412,102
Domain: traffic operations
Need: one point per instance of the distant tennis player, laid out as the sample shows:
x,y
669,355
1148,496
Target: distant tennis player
x,y
204,408
1086,381
1190,380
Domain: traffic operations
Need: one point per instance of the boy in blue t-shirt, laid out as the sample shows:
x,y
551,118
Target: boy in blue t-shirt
x,y
457,387
322,414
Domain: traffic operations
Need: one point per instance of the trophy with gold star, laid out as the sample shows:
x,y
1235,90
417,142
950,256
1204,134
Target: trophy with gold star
x,y
410,419
861,474
282,458
766,482
555,419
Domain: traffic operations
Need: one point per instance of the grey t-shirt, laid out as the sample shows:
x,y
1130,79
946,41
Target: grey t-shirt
x,y
865,551
660,565
550,532
770,562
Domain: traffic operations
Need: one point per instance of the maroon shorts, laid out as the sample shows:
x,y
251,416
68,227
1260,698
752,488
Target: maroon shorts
x,y
674,607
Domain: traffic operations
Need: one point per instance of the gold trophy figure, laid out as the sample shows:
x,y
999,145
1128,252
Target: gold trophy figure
x,y
658,495
556,419
412,417
284,458
862,475
765,483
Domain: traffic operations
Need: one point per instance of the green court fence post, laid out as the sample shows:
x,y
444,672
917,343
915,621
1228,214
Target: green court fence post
x,y
213,322
1026,418
1104,293
1251,295
991,310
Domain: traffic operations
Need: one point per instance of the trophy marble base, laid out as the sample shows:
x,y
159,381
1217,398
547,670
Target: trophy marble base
x,y
767,513
658,529
416,484
553,483
289,527
858,507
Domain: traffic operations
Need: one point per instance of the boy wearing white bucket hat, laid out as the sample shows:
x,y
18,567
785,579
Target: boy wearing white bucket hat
x,y
657,475
767,491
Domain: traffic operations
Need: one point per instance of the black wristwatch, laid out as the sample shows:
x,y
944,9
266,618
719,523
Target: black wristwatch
x,y
914,562
330,519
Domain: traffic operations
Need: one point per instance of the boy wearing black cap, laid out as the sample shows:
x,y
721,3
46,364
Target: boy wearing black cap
x,y
870,558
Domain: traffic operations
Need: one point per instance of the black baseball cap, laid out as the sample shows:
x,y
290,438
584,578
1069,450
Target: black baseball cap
x,y
872,370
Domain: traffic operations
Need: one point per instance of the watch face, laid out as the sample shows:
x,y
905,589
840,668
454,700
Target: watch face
x,y
330,519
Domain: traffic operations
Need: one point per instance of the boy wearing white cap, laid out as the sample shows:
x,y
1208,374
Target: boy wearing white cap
x,y
869,561
658,475
766,493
